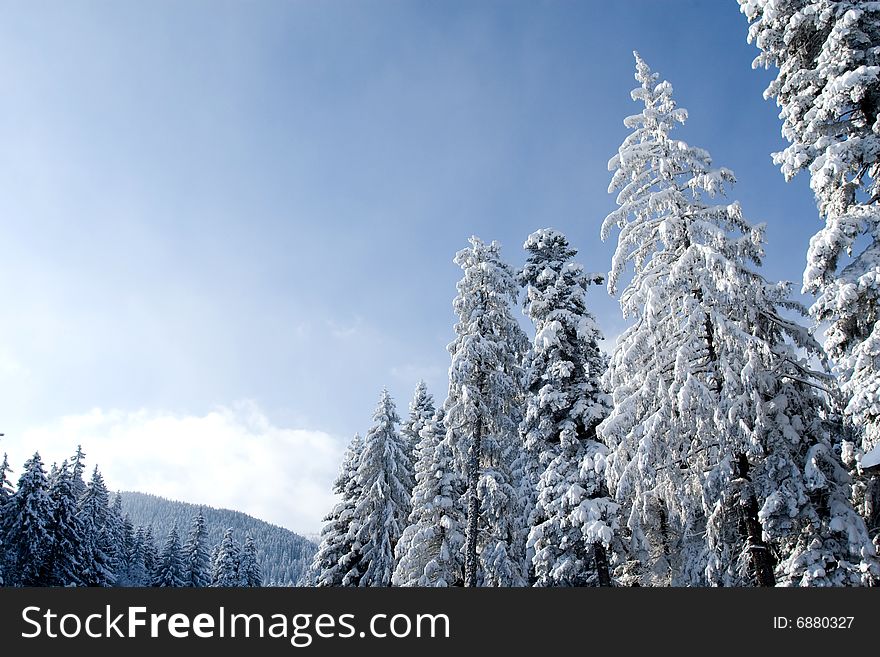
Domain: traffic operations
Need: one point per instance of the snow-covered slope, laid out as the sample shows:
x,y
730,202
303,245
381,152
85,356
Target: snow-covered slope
x,y
284,556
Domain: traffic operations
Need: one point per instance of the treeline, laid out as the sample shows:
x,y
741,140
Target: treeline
x,y
707,449
56,529
283,555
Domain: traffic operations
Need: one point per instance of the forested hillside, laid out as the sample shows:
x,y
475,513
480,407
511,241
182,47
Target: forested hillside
x,y
283,555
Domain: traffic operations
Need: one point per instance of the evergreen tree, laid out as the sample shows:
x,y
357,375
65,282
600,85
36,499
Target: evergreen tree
x,y
714,408
249,572
196,560
574,521
6,493
126,552
64,561
421,410
26,518
93,512
6,490
78,468
151,556
170,569
429,552
336,555
138,574
116,537
828,90
381,509
226,562
482,415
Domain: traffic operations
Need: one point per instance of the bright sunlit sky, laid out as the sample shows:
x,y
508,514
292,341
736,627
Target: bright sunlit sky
x,y
226,225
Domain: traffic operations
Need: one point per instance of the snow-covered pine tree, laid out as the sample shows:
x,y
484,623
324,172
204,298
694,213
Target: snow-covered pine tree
x,y
429,552
653,429
93,513
125,551
78,468
26,518
196,558
421,410
574,521
249,572
151,555
138,575
116,536
382,508
828,89
170,570
63,564
714,407
336,555
6,490
225,567
483,412
6,493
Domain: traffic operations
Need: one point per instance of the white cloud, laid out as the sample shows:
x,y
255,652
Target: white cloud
x,y
232,457
344,331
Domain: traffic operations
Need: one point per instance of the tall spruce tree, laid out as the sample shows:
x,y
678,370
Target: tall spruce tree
x,y
714,407
26,518
6,490
483,413
78,468
421,410
828,90
126,550
6,493
151,556
116,536
574,521
380,512
170,568
226,561
93,513
196,558
249,571
64,561
138,574
336,554
429,552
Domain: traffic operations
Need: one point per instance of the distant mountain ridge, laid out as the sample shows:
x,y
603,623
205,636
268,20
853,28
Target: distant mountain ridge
x,y
284,556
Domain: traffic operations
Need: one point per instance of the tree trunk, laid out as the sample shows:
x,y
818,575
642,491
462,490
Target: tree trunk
x,y
872,510
711,352
664,532
601,557
762,560
473,507
603,574
872,505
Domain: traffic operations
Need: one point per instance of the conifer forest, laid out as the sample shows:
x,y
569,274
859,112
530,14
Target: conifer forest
x,y
719,443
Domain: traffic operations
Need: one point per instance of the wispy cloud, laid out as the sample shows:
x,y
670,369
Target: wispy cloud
x,y
231,457
345,330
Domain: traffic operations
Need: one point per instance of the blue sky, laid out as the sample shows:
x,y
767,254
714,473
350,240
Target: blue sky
x,y
215,206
